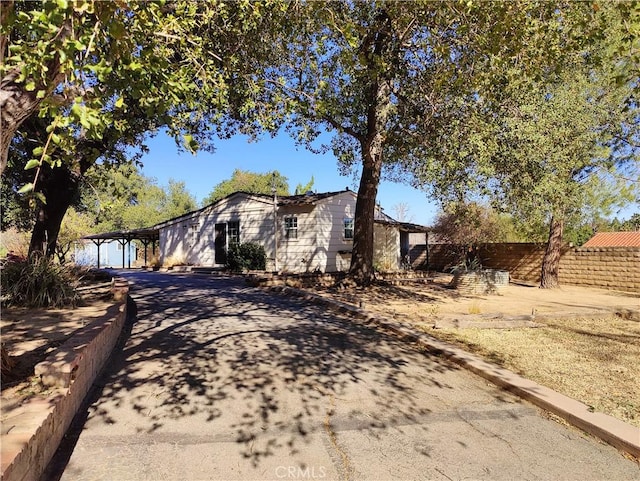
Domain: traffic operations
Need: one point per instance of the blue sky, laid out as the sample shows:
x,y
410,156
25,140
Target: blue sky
x,y
201,172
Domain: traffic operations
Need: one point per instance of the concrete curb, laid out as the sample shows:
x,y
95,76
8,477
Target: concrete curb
x,y
38,426
619,434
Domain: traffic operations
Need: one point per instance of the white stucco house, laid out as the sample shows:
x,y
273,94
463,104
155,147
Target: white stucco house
x,y
300,233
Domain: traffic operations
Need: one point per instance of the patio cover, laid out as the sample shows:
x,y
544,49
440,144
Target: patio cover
x,y
147,236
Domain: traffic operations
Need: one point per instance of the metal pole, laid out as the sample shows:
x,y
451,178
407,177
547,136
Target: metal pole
x,y
97,243
275,227
275,220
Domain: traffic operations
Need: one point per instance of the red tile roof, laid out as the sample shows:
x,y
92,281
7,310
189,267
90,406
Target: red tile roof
x,y
614,239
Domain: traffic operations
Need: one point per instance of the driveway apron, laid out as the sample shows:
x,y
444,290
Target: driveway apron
x,y
222,381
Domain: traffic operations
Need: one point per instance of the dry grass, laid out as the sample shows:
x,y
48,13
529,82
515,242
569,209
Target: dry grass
x,y
592,360
596,361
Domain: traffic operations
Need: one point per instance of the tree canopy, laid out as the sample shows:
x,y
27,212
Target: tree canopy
x,y
94,79
251,182
80,62
397,83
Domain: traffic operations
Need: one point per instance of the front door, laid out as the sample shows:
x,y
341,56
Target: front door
x,y
221,244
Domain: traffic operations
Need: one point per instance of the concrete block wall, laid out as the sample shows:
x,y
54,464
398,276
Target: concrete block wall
x,y
616,268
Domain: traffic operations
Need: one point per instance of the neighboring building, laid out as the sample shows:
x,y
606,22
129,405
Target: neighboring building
x,y
614,239
314,232
110,254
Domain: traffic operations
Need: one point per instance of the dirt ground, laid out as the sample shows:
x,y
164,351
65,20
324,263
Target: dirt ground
x,y
436,298
31,334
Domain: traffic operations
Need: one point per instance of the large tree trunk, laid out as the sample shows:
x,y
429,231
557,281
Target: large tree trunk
x,y
60,187
372,145
551,259
362,255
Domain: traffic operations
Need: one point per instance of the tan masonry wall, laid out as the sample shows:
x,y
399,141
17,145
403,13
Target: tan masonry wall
x,y
604,267
608,267
68,372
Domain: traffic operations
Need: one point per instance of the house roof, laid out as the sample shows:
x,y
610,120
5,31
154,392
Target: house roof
x,y
301,199
614,239
404,226
309,198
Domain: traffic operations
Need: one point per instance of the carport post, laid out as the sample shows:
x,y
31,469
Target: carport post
x,y
97,244
145,243
123,243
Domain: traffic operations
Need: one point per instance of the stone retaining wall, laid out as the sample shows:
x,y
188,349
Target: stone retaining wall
x,y
69,371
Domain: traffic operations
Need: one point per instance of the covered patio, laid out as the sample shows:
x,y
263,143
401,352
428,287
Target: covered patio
x,y
148,236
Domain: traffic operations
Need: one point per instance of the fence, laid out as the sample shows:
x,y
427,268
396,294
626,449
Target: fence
x,y
605,267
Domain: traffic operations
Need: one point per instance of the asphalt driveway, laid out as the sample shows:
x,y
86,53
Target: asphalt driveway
x,y
219,380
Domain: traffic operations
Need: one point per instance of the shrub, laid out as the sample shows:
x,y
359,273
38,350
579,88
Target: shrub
x,y
38,282
247,256
175,260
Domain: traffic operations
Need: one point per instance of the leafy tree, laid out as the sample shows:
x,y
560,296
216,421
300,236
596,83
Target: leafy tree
x,y
74,226
389,78
545,142
123,199
303,189
251,182
103,75
465,225
553,146
631,224
78,63
110,198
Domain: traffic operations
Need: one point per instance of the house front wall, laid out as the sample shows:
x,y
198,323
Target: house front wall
x,y
192,239
321,242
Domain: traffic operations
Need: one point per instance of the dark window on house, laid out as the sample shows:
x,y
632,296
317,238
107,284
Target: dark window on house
x,y
233,231
291,227
348,228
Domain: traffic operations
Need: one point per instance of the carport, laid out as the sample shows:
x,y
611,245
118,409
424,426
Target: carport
x,y
124,238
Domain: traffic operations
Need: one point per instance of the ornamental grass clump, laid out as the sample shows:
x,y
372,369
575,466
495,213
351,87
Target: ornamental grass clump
x,y
37,282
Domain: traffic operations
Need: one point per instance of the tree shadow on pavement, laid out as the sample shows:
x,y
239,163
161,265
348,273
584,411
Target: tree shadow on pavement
x,y
216,360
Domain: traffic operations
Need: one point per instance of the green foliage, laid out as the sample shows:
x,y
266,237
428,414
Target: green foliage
x,y
123,198
469,224
251,182
247,256
303,189
38,282
465,225
129,68
74,226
